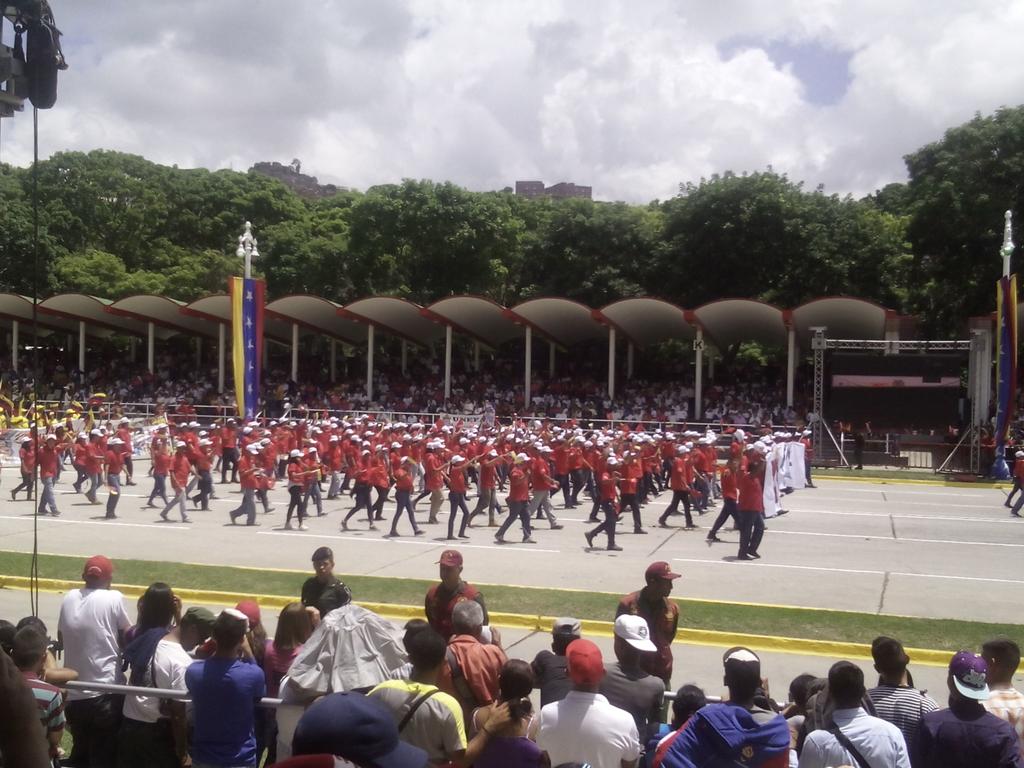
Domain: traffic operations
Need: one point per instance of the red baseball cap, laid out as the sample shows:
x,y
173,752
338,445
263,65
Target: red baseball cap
x,y
251,610
98,567
584,662
451,558
660,570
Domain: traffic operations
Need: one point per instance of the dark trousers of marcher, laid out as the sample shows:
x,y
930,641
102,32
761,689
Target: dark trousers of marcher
x,y
113,494
404,500
629,501
1015,511
362,495
313,492
705,491
673,507
488,499
141,745
517,510
608,526
458,502
1009,498
205,488
378,505
729,509
295,505
82,477
94,724
751,532
129,468
229,463
579,482
24,485
563,484
807,474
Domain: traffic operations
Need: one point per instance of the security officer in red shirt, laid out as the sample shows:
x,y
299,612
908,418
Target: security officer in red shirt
x,y
442,598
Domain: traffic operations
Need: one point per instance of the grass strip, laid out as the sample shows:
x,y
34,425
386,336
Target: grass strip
x,y
871,473
808,623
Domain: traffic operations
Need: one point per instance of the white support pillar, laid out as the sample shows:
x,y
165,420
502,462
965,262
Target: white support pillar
x,y
221,356
629,360
551,359
791,367
476,357
151,347
698,376
611,363
447,362
14,346
405,356
529,365
369,362
295,352
81,345
334,360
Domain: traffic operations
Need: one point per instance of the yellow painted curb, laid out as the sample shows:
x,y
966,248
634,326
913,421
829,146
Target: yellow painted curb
x,y
763,643
984,484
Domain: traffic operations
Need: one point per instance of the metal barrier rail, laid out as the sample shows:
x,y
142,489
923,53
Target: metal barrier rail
x,y
166,693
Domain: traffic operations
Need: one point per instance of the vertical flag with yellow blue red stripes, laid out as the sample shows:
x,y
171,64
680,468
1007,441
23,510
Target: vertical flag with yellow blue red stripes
x,y
1006,370
247,298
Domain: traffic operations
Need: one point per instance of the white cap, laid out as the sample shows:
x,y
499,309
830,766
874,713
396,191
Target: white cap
x,y
521,457
180,444
634,630
294,453
253,449
205,441
115,441
246,430
396,445
456,459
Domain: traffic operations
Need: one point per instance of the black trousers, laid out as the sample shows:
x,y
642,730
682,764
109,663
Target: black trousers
x,y
608,526
229,463
141,745
629,501
751,531
729,509
94,724
677,496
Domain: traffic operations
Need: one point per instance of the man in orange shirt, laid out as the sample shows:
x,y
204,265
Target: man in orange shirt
x,y
518,499
180,470
27,454
49,461
229,451
607,492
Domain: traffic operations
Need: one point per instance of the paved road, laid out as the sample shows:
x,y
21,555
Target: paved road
x,y
896,549
693,664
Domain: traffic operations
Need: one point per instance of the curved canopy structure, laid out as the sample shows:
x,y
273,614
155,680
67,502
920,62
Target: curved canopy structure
x,y
216,308
93,311
476,316
164,313
647,321
317,315
566,321
396,316
14,306
732,321
843,317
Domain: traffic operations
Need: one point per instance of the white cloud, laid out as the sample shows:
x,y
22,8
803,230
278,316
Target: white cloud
x,y
631,98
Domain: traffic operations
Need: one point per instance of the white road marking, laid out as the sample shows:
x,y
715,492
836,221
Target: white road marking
x,y
510,547
901,516
48,519
760,564
901,539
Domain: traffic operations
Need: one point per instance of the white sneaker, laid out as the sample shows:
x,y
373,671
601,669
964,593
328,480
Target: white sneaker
x,y
303,527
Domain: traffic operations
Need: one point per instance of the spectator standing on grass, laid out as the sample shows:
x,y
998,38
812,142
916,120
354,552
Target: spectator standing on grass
x,y
91,625
894,698
550,667
29,654
734,732
853,737
661,614
626,685
1004,701
584,727
965,735
442,598
323,592
225,689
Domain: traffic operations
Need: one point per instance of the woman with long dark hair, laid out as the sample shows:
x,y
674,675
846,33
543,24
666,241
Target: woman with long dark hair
x,y
509,746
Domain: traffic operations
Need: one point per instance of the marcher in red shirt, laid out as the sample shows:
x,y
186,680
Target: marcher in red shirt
x,y
49,463
680,475
161,459
457,488
202,460
607,492
629,486
180,470
730,498
518,499
404,482
27,455
114,462
488,499
751,506
251,478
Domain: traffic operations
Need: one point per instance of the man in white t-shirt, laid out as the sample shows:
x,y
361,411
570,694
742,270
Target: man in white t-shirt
x,y
92,622
583,727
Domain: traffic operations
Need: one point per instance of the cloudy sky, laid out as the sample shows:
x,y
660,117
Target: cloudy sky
x,y
629,96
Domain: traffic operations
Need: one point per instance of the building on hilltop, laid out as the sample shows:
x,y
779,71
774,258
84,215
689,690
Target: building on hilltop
x,y
564,189
291,175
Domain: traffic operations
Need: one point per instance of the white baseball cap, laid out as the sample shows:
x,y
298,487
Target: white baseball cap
x,y
633,629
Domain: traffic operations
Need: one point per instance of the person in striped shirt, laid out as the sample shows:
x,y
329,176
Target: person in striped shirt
x,y
895,698
29,656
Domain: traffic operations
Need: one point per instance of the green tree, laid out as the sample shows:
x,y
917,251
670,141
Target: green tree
x,y
959,188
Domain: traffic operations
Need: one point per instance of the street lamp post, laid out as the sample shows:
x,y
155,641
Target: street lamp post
x,y
247,249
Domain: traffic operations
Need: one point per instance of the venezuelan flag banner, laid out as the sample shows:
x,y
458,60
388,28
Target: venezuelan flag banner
x,y
1006,376
247,299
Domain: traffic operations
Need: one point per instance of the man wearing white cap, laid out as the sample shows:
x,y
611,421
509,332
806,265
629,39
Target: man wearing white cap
x,y
181,468
518,499
626,685
114,461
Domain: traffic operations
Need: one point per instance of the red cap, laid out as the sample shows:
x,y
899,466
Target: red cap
x,y
660,570
251,611
451,558
584,662
98,567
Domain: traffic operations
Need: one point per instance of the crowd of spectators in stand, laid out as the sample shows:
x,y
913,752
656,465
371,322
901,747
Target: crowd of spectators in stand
x,y
741,394
444,691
